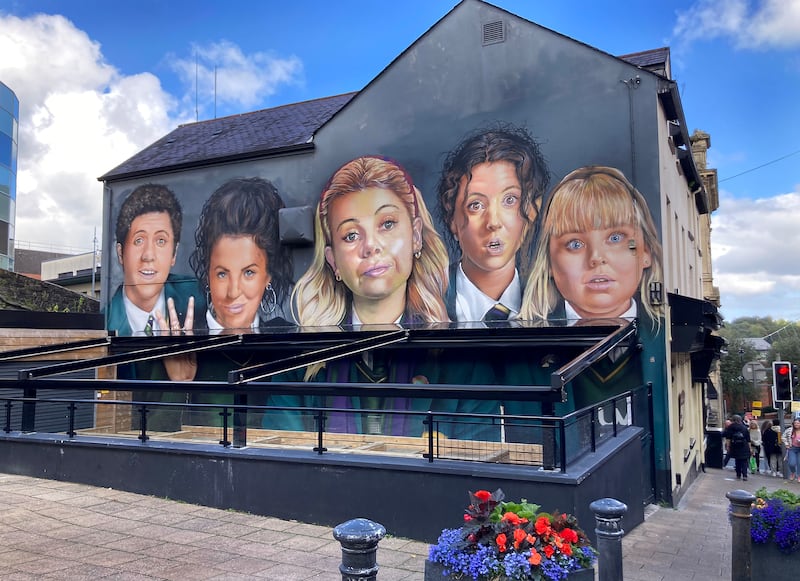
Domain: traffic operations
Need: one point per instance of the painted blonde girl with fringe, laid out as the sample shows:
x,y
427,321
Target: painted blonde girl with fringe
x,y
598,251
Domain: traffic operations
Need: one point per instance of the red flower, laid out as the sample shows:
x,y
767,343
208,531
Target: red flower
x,y
483,495
566,549
543,525
519,536
535,558
569,535
548,551
501,542
514,519
467,518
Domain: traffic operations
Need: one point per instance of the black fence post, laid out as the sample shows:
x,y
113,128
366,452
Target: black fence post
x,y
320,418
741,545
359,539
428,423
71,427
28,410
143,414
240,420
549,437
225,414
608,518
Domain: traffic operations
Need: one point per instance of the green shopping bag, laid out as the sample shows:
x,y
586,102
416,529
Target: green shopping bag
x,y
753,465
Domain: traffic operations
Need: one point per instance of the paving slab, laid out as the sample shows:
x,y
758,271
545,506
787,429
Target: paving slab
x,y
52,530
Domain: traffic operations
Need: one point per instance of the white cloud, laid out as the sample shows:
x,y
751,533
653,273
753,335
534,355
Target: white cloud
x,y
242,81
759,24
753,246
80,117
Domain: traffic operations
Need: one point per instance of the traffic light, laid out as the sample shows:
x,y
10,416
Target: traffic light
x,y
782,381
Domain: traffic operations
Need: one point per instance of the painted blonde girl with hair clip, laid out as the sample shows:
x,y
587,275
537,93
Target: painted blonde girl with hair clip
x,y
598,251
377,260
377,255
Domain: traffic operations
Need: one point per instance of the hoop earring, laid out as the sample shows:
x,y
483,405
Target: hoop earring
x,y
268,302
417,254
337,276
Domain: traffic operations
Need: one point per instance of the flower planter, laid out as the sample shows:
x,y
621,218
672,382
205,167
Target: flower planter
x,y
435,572
770,563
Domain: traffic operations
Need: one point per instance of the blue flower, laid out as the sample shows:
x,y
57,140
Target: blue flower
x,y
553,571
499,538
516,566
776,521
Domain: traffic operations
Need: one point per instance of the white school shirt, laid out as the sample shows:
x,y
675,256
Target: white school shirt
x,y
472,303
137,318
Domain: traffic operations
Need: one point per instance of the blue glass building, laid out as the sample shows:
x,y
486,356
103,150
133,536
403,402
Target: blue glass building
x,y
9,130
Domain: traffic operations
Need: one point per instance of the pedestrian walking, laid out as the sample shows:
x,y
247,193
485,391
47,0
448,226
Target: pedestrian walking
x,y
727,457
772,450
791,439
755,445
739,437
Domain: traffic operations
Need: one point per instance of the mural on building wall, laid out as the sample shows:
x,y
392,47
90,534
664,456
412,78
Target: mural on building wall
x,y
148,232
506,248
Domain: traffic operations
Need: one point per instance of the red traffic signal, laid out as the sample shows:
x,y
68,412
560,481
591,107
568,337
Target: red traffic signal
x,y
782,388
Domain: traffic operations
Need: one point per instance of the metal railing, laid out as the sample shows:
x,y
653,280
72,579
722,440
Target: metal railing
x,y
548,442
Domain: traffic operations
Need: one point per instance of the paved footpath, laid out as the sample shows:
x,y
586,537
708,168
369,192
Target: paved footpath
x,y
53,530
693,540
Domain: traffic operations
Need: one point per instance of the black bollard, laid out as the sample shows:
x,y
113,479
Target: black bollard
x,y
359,539
741,545
608,518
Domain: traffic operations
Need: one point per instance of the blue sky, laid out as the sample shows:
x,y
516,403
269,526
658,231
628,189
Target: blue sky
x,y
119,75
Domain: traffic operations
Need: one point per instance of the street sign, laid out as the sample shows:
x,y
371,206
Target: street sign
x,y
754,371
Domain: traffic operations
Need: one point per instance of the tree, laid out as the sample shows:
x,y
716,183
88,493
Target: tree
x,y
787,347
751,327
736,389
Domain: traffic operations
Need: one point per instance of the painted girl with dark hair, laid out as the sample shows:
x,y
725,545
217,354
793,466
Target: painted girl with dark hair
x,y
490,191
241,265
238,257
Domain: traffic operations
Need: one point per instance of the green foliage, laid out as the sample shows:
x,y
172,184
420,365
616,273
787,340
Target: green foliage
x,y
786,348
789,498
522,509
737,387
751,327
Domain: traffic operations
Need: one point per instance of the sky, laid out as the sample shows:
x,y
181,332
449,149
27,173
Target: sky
x,y
99,81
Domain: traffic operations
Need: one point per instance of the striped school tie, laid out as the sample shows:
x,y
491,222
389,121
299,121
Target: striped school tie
x,y
148,328
499,312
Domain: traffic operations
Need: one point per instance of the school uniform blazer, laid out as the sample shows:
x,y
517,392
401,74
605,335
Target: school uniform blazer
x,y
177,287
609,377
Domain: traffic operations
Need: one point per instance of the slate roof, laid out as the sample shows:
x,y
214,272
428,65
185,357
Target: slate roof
x,y
655,60
241,136
267,131
757,343
648,58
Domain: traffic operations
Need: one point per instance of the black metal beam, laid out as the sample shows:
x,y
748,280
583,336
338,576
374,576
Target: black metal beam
x,y
174,348
450,391
53,348
568,372
262,371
